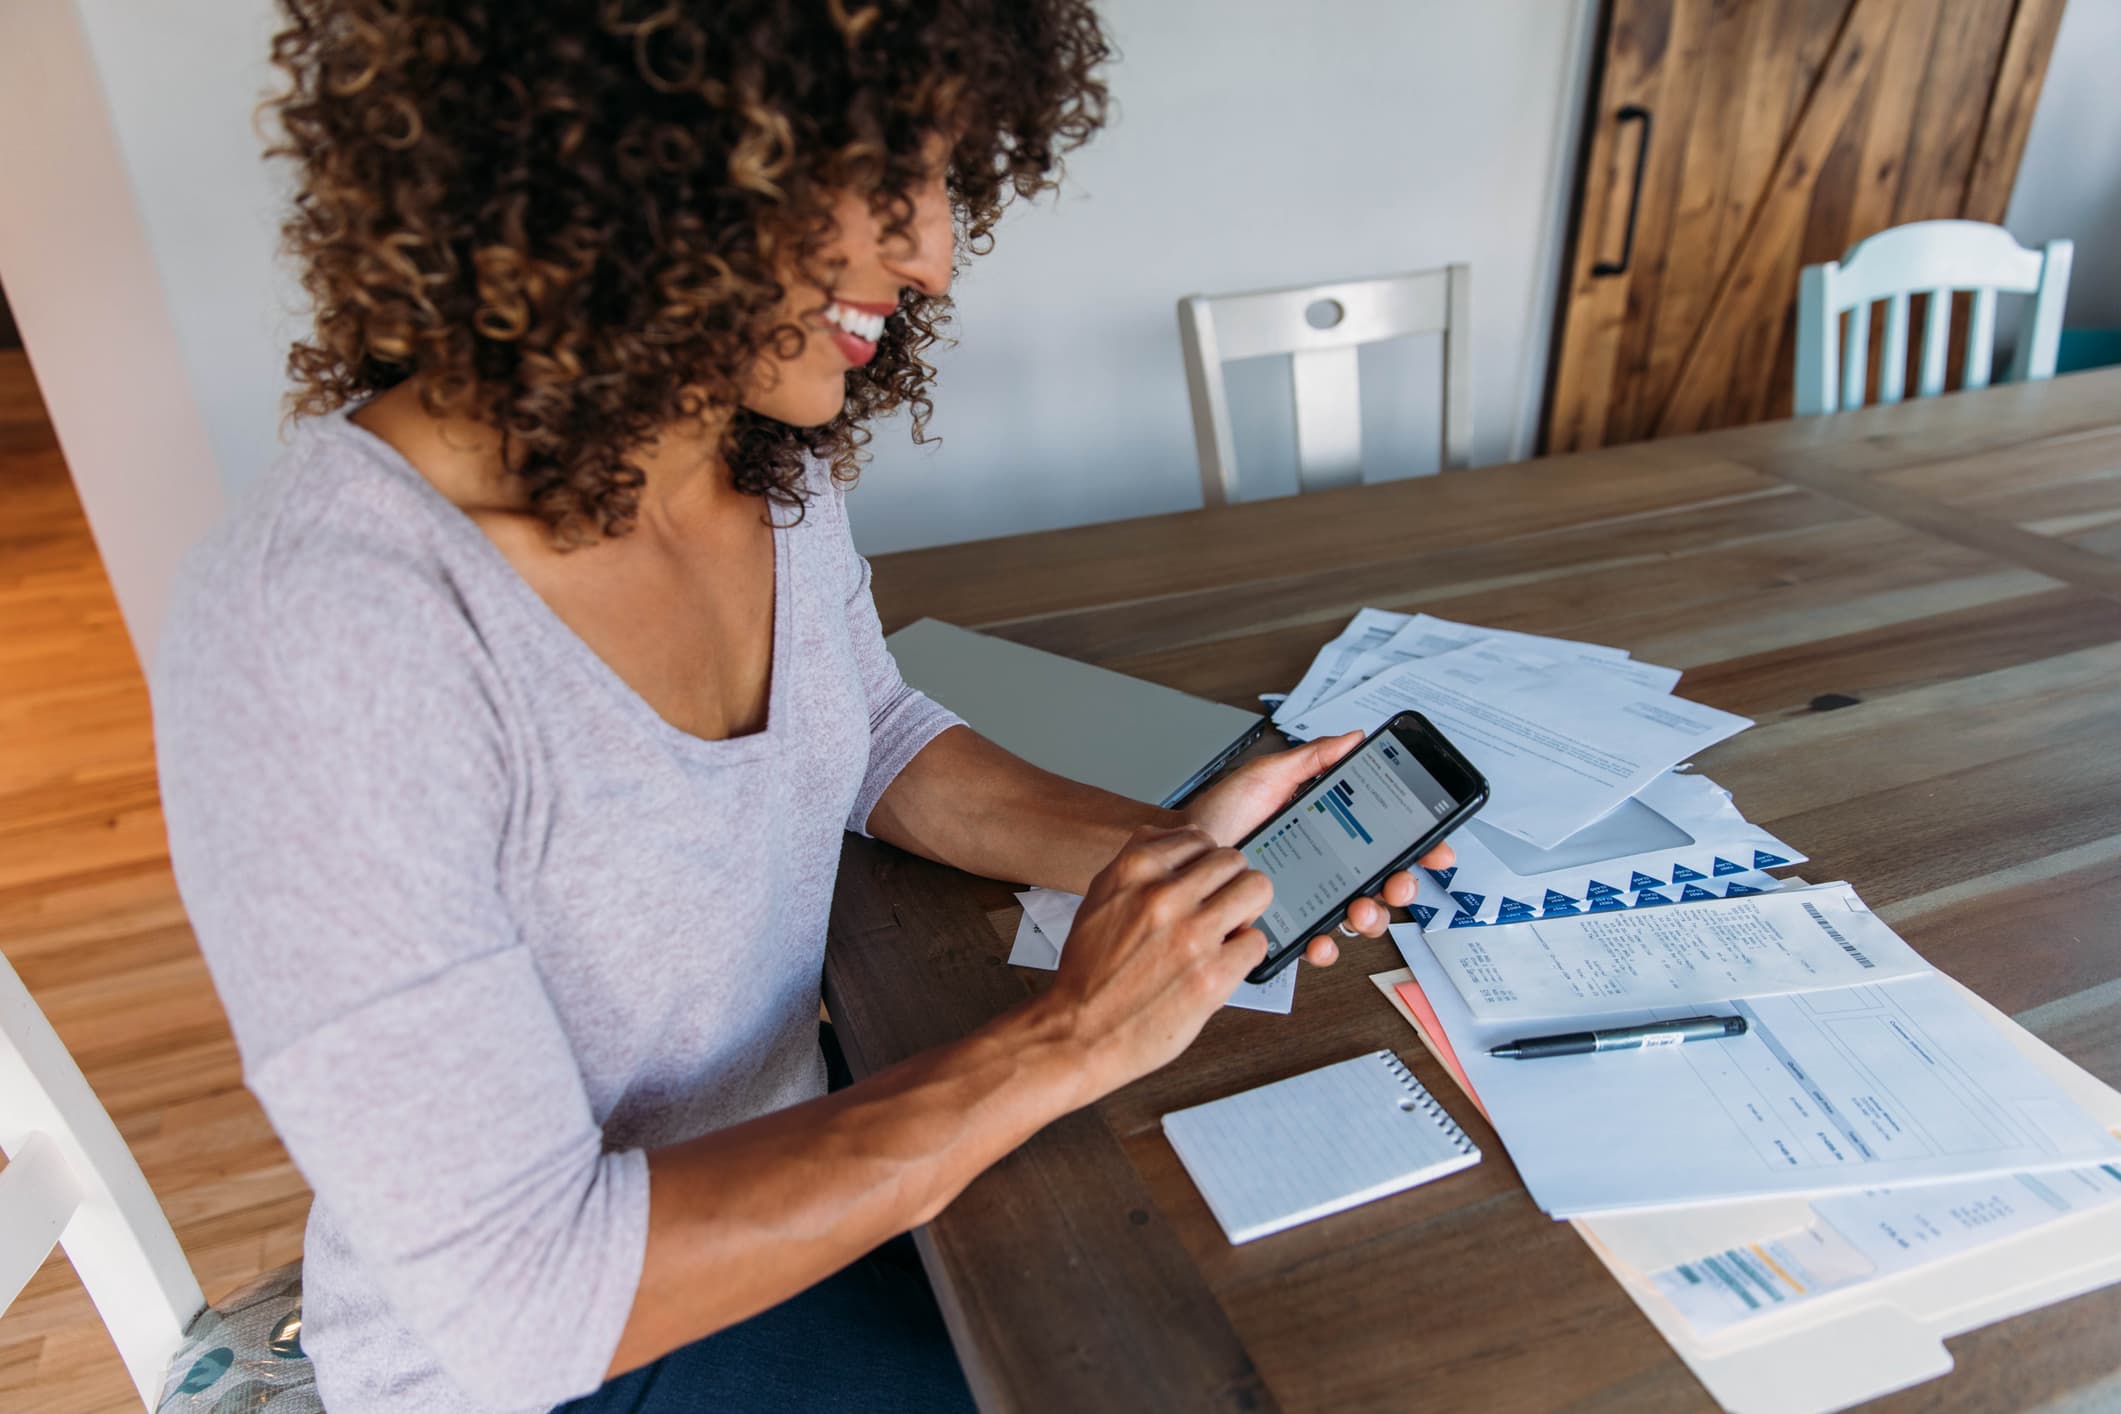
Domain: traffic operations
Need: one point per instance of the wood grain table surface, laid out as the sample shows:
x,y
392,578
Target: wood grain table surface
x,y
1921,607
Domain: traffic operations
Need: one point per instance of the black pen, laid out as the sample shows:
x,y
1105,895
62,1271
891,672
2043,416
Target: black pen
x,y
1624,1038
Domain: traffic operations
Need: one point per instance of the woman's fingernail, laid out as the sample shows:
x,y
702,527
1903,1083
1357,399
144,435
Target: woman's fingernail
x,y
1347,932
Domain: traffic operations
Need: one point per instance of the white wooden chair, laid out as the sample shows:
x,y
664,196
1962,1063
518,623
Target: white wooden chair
x,y
70,1180
1322,328
1935,258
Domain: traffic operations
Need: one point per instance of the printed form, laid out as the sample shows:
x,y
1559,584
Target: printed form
x,y
1560,742
1340,669
1368,631
1868,1236
1796,940
1859,1087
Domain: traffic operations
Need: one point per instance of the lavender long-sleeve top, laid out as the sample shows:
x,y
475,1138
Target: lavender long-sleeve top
x,y
486,926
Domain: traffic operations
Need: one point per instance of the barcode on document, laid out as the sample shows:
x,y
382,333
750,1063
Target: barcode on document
x,y
1835,933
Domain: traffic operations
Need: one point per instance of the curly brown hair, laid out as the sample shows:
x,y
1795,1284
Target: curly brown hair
x,y
575,220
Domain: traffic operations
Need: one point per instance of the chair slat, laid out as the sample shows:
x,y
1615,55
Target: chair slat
x,y
1856,356
1328,417
2042,334
1936,343
120,1243
1892,369
1980,340
1220,329
38,1196
1818,340
1212,441
1458,371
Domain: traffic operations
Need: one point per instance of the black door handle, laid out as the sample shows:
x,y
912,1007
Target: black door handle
x,y
1630,113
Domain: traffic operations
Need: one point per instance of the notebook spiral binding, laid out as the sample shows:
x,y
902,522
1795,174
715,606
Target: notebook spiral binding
x,y
1427,1104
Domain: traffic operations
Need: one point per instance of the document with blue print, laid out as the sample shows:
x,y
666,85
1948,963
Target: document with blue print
x,y
1560,742
1681,839
1794,940
1437,907
1866,1237
1367,633
1872,1086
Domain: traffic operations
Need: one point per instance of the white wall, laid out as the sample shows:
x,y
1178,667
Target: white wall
x,y
82,280
1255,144
2069,182
183,79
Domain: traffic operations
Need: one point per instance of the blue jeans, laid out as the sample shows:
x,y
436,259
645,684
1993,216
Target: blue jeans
x,y
866,1340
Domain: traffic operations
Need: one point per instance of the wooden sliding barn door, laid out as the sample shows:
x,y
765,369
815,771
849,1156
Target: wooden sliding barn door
x,y
1732,142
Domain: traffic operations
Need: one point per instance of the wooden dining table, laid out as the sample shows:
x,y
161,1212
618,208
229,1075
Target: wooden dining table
x,y
1919,605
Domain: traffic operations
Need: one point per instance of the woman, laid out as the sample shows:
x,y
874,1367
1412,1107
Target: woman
x,y
509,730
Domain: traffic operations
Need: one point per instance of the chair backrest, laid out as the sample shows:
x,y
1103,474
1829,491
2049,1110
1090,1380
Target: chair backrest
x,y
70,1179
1937,259
1322,328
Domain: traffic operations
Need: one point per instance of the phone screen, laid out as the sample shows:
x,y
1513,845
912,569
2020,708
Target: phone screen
x,y
1366,813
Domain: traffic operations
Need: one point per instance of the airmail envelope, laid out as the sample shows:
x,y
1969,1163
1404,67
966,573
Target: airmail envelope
x,y
1679,840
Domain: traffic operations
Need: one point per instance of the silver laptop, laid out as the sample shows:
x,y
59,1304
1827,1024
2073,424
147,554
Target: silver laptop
x,y
1152,743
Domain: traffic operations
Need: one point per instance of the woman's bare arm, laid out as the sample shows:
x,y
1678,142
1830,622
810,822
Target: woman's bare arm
x,y
746,1217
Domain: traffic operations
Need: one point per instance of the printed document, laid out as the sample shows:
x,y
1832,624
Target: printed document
x,y
1560,743
1425,636
1796,940
1868,1236
1367,632
1872,1086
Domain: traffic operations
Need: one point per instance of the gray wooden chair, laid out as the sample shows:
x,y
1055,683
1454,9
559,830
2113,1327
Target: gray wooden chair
x,y
1936,258
1321,328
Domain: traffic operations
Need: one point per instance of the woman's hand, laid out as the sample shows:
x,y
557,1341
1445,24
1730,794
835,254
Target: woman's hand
x,y
1162,938
1249,796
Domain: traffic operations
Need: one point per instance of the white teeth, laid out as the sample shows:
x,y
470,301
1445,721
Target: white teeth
x,y
862,326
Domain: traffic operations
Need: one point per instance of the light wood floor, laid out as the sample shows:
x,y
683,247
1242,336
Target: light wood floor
x,y
89,917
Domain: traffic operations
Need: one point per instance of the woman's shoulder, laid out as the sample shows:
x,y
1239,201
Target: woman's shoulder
x,y
824,491
335,554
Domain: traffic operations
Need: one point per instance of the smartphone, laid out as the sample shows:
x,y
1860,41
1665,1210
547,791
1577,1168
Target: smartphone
x,y
1382,806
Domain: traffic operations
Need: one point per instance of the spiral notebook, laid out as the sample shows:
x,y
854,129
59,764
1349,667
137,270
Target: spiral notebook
x,y
1316,1143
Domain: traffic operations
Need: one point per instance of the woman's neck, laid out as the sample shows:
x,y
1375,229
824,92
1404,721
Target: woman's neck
x,y
685,479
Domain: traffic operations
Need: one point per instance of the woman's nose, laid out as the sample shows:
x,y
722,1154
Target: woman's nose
x,y
926,253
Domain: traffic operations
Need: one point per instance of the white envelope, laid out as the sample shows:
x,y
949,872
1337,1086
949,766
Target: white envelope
x,y
1435,907
1681,831
1848,1346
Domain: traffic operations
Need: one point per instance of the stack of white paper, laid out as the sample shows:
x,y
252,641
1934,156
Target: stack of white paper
x,y
1582,747
1806,1211
1378,639
1844,1085
1801,1305
1562,741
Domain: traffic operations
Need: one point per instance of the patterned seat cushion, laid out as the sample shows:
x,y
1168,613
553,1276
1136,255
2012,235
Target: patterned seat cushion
x,y
244,1356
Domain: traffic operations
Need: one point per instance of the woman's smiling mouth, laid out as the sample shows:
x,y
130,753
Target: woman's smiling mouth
x,y
857,327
